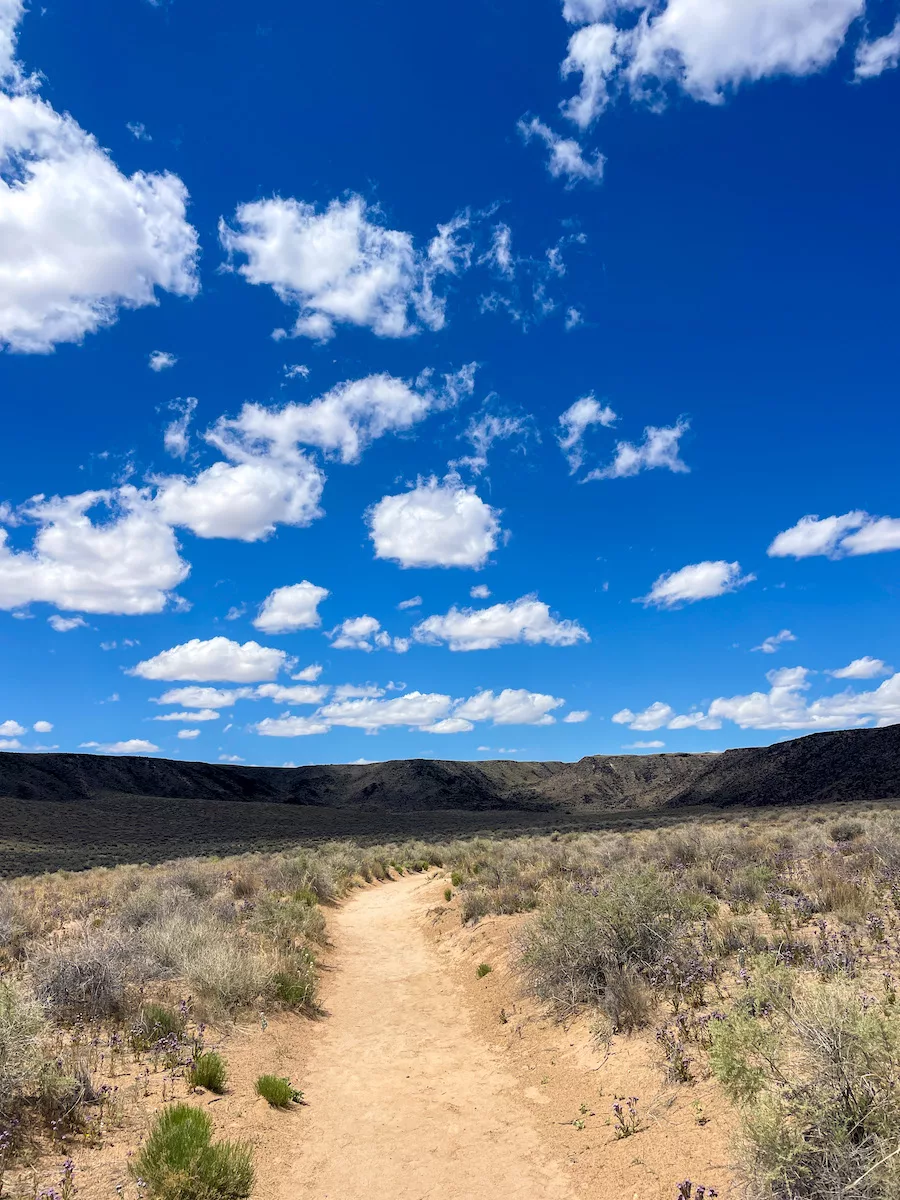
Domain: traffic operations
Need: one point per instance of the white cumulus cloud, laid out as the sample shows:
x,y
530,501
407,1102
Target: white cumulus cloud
x,y
340,265
354,691
132,746
11,729
65,624
862,668
512,706
244,501
201,714
705,48
344,421
78,239
657,715
216,659
449,725
853,533
525,620
482,432
161,360
176,437
309,674
434,524
266,480
879,55
654,717
786,705
413,710
290,726
202,697
187,735
42,727
287,609
699,581
290,695
126,564
365,633
576,716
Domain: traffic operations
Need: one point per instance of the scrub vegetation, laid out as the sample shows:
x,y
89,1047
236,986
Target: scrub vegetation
x,y
760,950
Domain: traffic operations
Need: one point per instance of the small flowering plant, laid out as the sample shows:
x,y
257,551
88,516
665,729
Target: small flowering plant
x,y
687,1190
626,1117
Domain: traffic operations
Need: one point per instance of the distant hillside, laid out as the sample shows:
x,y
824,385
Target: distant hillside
x,y
859,764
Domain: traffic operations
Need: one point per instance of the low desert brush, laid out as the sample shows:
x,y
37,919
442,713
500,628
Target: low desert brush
x,y
85,976
179,1160
22,1026
595,948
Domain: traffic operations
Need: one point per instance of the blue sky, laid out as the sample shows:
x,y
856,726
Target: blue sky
x,y
307,312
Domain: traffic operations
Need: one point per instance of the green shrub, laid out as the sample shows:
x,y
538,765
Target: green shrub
x,y
448,894
475,903
456,879
740,1055
748,886
279,1092
483,969
179,1161
208,1071
155,1022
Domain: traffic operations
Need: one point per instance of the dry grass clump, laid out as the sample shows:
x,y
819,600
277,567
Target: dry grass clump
x,y
85,976
22,1027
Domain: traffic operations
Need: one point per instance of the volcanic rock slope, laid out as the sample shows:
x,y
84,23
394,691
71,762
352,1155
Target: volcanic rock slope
x,y
859,764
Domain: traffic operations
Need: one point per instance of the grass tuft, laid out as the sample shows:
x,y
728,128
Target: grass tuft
x,y
208,1071
279,1092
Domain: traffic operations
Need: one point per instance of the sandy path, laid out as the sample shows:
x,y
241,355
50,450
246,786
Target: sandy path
x,y
405,1101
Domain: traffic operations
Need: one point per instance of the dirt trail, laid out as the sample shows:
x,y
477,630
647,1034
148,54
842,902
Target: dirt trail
x,y
405,1100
